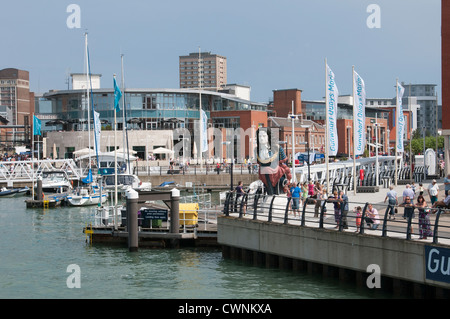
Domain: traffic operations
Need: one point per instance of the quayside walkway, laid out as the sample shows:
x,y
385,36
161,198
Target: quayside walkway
x,y
263,230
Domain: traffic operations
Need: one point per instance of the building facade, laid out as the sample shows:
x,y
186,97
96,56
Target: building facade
x,y
16,104
150,110
203,70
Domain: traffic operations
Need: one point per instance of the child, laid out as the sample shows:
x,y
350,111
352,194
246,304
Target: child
x,y
358,211
420,189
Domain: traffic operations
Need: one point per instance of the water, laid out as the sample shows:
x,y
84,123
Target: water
x,y
38,246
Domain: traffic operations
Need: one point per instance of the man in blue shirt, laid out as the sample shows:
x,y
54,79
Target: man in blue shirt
x,y
447,185
295,194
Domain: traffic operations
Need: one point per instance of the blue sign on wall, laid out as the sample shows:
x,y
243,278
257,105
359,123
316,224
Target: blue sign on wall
x,y
437,263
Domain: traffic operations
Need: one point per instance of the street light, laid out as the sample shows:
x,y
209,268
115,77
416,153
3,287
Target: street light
x,y
231,166
293,118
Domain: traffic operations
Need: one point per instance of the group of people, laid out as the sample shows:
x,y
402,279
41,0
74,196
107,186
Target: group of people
x,y
315,193
409,195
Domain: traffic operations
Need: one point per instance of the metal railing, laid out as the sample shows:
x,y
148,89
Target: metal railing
x,y
190,220
238,169
278,209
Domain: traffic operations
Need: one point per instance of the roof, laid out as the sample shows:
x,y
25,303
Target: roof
x,y
285,122
151,90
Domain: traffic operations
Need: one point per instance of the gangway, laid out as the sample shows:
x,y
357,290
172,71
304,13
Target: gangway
x,y
21,171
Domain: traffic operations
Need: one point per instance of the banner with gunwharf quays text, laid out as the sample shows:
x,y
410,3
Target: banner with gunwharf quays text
x,y
359,113
332,94
400,119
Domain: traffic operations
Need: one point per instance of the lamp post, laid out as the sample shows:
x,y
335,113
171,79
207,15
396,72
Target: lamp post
x,y
231,165
293,117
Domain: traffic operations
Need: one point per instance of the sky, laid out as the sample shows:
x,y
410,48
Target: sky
x,y
269,45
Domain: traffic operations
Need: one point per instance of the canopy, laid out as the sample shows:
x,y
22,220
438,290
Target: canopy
x,y
121,150
162,150
84,151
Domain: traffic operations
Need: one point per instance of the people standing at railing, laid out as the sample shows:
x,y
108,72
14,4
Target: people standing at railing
x,y
372,217
239,193
424,219
408,211
393,200
343,198
318,194
304,188
433,191
334,198
295,193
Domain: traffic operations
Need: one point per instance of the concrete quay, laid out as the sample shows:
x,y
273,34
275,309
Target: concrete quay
x,y
414,268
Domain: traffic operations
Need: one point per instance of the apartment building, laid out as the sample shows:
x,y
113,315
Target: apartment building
x,y
203,70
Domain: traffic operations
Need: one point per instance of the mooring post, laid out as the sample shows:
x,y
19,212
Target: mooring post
x,y
38,189
132,219
175,212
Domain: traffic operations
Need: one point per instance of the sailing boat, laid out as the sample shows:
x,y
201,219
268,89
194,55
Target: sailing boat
x,y
93,193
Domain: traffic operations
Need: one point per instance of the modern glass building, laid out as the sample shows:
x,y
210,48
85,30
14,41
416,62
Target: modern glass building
x,y
146,109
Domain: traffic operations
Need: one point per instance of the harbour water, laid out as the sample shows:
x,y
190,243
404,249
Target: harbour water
x,y
39,245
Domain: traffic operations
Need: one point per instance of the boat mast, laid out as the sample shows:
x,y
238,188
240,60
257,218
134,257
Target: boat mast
x,y
87,96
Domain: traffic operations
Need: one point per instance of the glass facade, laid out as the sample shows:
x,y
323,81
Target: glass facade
x,y
146,109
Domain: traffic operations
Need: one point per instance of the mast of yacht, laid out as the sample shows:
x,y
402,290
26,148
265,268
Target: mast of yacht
x,y
87,96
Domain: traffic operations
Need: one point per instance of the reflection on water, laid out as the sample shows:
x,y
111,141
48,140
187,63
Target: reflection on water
x,y
37,246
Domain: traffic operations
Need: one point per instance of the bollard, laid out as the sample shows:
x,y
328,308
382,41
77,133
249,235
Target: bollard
x,y
39,189
175,212
132,219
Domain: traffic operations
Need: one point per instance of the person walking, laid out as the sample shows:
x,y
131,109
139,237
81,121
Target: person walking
x,y
393,200
424,219
408,192
433,191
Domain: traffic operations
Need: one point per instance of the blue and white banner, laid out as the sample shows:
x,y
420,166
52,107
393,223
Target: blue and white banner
x,y
400,119
203,132
332,94
359,113
36,126
97,130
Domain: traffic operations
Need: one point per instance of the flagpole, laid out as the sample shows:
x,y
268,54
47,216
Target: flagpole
x,y
200,75
326,127
396,132
87,98
32,160
115,161
354,133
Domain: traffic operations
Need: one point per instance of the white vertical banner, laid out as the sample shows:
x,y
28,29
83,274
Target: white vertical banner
x,y
331,98
203,131
359,113
97,130
400,121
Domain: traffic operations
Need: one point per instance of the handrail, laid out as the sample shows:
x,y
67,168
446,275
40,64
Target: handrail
x,y
268,208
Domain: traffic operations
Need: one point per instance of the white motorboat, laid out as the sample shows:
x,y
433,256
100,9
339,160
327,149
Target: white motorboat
x,y
55,184
124,181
